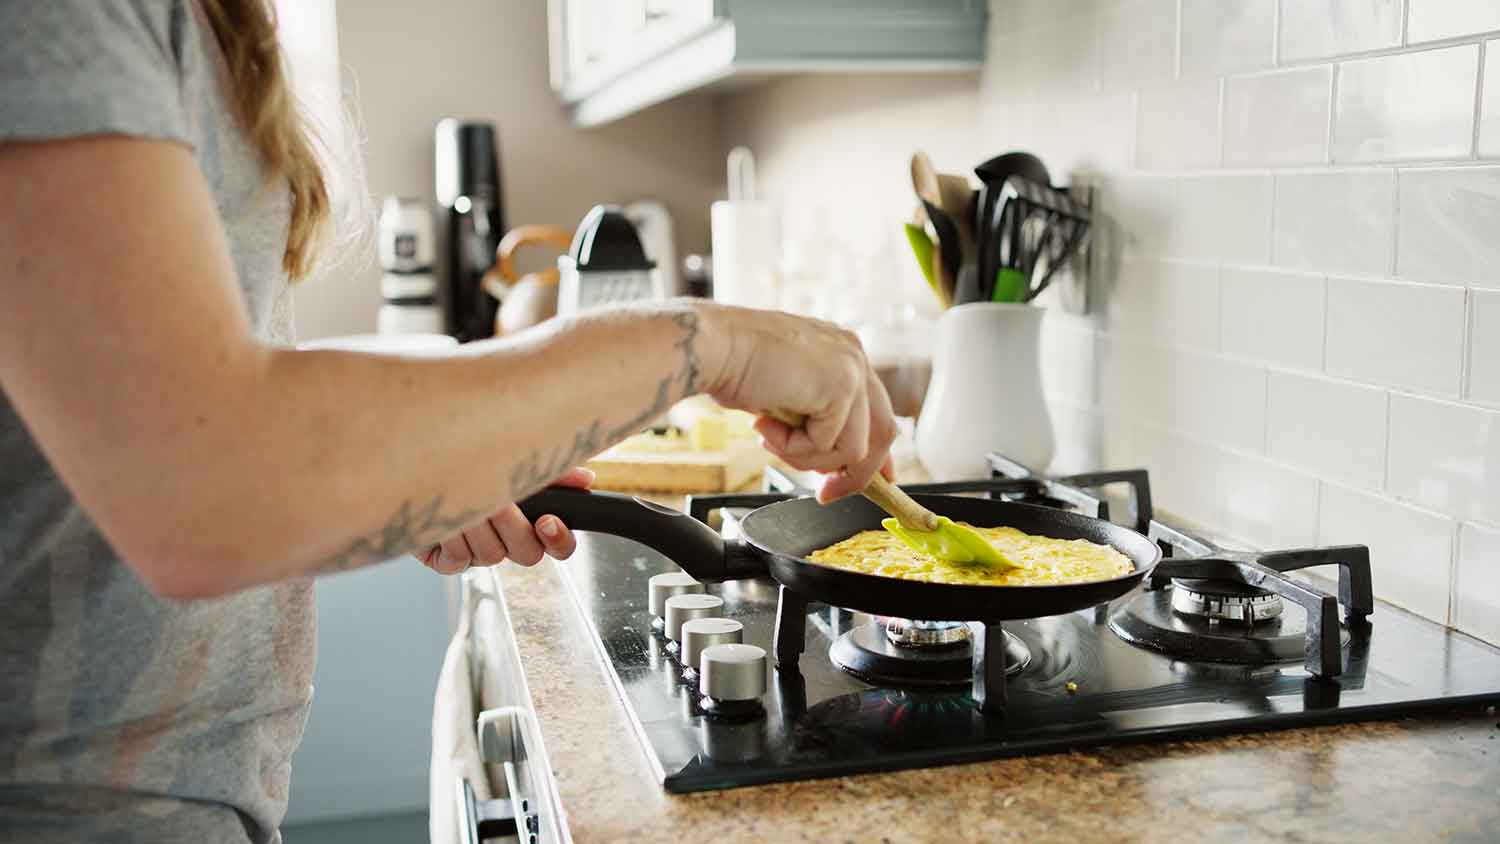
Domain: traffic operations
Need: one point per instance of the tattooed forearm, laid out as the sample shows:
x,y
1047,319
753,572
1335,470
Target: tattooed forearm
x,y
539,469
688,322
408,529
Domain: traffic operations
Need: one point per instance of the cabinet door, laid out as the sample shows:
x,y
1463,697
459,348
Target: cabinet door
x,y
588,37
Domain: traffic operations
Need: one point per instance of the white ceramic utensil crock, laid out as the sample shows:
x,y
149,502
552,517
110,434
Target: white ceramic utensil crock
x,y
986,392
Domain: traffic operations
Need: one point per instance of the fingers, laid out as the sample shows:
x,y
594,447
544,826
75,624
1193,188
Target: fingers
x,y
556,538
485,542
521,543
453,555
880,433
578,478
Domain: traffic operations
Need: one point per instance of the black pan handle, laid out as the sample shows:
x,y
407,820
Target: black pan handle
x,y
691,544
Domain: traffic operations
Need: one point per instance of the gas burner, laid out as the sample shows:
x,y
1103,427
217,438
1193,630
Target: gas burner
x,y
925,634
1154,620
1224,600
869,653
1188,599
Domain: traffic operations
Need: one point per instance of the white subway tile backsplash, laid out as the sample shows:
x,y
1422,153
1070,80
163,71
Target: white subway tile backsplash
x,y
1211,397
1068,358
1124,377
1137,42
1411,551
1429,20
1222,36
1012,15
1168,302
1177,128
1489,111
1185,484
1448,225
1141,211
1086,134
1484,347
1407,335
1277,118
1079,434
1312,29
1412,105
1056,56
1446,457
1477,609
1339,221
1272,316
1332,428
1266,504
1226,218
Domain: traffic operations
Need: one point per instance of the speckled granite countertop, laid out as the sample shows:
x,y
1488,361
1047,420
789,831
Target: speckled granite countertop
x,y
1435,779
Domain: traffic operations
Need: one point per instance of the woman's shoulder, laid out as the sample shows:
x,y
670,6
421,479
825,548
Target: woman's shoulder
x,y
80,67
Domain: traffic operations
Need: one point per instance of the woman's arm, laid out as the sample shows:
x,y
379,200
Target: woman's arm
x,y
213,462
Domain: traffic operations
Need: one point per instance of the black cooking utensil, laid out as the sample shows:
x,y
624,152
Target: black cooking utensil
x,y
1024,203
778,537
947,236
992,174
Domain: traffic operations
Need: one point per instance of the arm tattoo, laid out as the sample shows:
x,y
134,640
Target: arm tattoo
x,y
407,530
538,469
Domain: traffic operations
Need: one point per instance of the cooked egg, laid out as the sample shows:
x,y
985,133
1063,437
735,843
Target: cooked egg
x,y
1043,561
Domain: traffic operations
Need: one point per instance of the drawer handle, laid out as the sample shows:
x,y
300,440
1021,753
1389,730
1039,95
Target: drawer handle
x,y
501,742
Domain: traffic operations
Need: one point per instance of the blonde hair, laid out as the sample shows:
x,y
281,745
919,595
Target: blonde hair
x,y
276,126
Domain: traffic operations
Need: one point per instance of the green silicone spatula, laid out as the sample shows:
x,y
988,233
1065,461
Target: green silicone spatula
x,y
918,527
922,248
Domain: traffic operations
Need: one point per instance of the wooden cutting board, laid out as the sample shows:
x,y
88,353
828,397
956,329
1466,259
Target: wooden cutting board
x,y
622,470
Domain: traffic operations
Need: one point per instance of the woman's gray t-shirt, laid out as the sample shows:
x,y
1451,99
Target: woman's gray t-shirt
x,y
123,716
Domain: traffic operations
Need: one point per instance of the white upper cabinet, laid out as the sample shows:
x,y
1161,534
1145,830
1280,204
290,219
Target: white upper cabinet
x,y
610,58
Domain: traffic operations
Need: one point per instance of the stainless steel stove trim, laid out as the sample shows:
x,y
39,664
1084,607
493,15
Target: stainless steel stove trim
x,y
507,720
925,634
1247,609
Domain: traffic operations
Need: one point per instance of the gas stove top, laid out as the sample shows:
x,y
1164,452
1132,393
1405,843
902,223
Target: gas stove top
x,y
1215,641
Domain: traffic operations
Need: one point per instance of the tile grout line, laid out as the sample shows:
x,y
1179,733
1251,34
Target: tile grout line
x,y
1177,44
1271,222
1220,115
1276,34
1478,100
1323,351
1385,453
1403,33
1456,537
1466,352
1335,71
1393,254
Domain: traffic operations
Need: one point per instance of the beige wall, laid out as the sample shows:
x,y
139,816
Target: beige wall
x,y
487,59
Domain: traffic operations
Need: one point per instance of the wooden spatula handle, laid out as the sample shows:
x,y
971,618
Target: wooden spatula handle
x,y
884,494
889,497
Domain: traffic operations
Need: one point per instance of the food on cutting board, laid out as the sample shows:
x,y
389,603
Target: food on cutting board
x,y
703,448
710,426
1043,561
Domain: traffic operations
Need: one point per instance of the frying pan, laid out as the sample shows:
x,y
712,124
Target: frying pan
x,y
778,537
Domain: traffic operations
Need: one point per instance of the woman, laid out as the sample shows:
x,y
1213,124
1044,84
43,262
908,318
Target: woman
x,y
171,474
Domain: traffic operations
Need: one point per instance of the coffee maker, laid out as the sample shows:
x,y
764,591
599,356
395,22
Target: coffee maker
x,y
471,223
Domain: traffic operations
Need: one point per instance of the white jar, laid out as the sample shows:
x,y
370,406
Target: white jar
x,y
986,392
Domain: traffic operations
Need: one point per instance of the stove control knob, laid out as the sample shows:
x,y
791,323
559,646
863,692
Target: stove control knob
x,y
683,608
731,673
664,586
701,633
